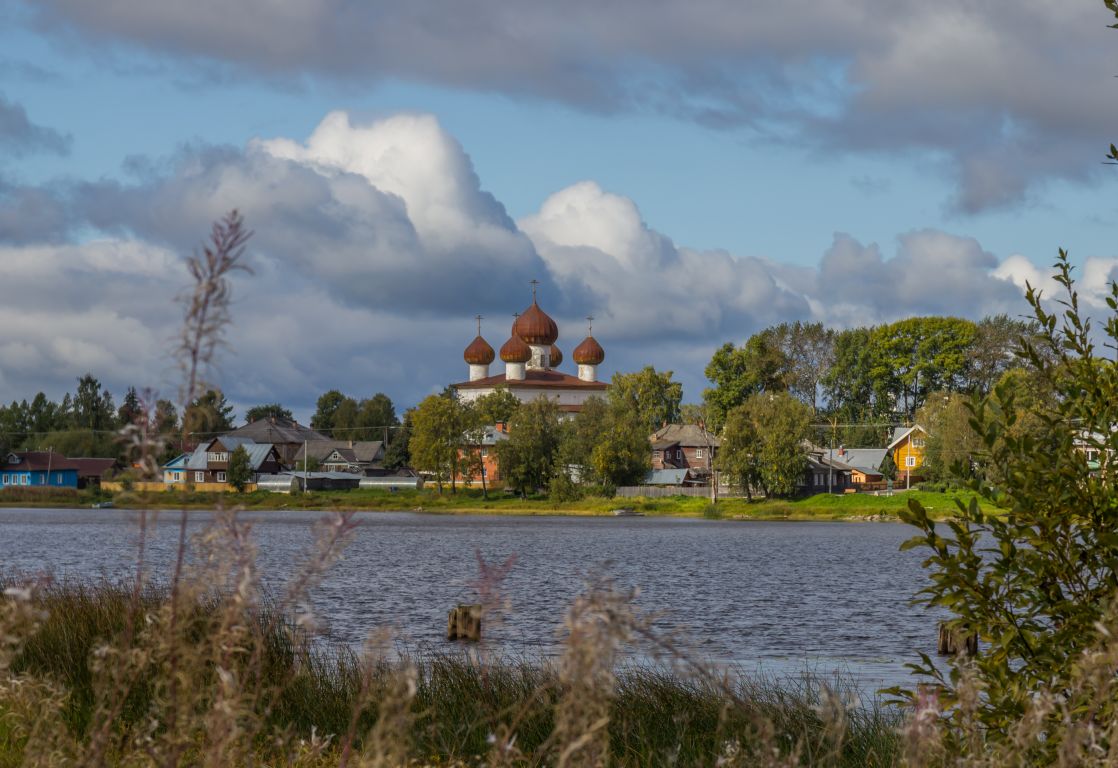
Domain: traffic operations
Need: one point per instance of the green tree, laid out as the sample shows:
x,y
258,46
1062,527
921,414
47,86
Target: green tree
x,y
267,411
326,407
131,409
527,458
93,406
437,427
497,406
849,385
807,352
952,445
344,423
376,414
993,351
737,373
622,455
165,418
765,438
739,457
398,455
579,436
652,395
1032,566
210,414
920,355
239,472
42,415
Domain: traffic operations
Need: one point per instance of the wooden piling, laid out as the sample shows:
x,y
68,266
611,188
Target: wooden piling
x,y
952,642
463,622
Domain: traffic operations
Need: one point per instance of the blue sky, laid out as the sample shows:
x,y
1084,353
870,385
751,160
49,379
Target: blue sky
x,y
688,172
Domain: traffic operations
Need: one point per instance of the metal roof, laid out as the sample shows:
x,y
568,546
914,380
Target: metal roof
x,y
687,435
666,477
257,452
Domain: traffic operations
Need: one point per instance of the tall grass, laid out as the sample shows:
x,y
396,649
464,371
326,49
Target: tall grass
x,y
458,710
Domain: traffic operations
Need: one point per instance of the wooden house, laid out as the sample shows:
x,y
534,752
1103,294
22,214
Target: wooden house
x,y
909,448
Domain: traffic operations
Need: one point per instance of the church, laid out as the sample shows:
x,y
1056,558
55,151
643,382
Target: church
x,y
531,364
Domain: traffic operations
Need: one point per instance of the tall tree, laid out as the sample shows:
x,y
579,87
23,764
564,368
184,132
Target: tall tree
x,y
759,365
622,453
808,351
165,420
398,453
209,415
42,415
239,472
327,406
374,415
497,406
996,340
131,409
652,395
93,406
527,458
266,411
437,427
766,438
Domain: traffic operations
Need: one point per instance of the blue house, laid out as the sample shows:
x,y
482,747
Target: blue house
x,y
38,468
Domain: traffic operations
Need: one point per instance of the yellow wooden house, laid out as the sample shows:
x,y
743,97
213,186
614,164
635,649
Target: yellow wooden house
x,y
908,448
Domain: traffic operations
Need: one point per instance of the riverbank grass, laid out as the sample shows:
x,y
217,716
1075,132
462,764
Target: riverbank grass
x,y
308,704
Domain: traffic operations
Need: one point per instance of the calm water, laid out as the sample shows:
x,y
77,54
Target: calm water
x,y
781,597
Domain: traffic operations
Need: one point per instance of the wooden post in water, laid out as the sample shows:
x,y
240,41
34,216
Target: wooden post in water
x,y
464,622
951,642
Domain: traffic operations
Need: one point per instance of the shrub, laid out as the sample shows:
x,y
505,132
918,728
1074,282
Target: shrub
x,y
1036,575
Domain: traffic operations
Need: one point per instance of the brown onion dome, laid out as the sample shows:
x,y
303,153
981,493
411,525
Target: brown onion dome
x,y
479,352
556,356
516,351
535,327
589,352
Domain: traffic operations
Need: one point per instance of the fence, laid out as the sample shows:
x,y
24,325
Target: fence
x,y
115,486
667,491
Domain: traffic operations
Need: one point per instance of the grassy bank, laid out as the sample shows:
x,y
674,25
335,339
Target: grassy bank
x,y
98,669
471,501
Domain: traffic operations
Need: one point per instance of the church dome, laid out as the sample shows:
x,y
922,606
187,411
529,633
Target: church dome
x,y
516,351
589,352
535,327
556,356
479,352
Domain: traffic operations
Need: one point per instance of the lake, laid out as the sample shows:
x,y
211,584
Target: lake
x,y
770,596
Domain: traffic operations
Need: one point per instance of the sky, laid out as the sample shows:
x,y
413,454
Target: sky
x,y
685,171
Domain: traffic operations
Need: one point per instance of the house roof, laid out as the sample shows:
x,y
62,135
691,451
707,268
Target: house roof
x,y
659,445
357,451
535,380
900,433
35,461
867,460
257,453
666,476
687,435
276,429
490,436
179,462
92,467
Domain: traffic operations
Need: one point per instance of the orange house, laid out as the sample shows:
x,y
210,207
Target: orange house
x,y
908,448
486,446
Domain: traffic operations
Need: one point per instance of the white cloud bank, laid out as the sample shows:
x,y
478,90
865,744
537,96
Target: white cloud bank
x,y
375,245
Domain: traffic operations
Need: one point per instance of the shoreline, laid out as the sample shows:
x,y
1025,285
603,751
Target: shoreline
x,y
850,508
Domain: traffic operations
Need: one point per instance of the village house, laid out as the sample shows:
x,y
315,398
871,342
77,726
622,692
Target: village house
x,y
908,449
209,463
864,464
354,456
684,446
53,470
287,435
484,443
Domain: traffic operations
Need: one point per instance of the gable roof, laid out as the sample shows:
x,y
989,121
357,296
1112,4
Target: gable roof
x,y
257,453
866,460
490,435
276,429
687,435
666,476
358,451
36,461
900,433
92,467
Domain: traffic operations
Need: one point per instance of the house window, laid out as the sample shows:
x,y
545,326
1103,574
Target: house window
x,y
910,461
4,480
199,477
221,477
217,456
679,454
25,479
484,452
917,442
698,453
58,479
